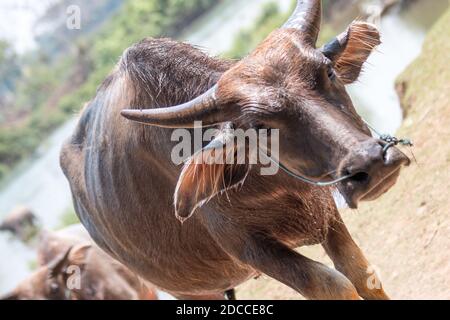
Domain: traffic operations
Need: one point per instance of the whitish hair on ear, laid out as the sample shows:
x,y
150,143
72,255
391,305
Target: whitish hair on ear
x,y
203,178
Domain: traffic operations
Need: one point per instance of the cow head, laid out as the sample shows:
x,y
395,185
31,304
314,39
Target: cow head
x,y
22,223
53,281
287,83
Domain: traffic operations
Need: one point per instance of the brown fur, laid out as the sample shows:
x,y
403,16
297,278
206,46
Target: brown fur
x,y
102,278
123,180
204,176
21,222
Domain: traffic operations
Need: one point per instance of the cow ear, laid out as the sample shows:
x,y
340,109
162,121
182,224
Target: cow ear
x,y
75,255
210,172
59,264
79,253
356,45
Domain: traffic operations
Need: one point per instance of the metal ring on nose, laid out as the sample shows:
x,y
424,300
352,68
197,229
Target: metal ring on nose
x,y
390,140
387,147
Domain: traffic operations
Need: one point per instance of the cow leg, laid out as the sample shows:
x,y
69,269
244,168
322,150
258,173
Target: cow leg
x,y
218,296
267,255
310,278
230,294
227,295
349,259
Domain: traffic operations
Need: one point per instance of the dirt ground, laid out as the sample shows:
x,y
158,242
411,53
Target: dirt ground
x,y
406,233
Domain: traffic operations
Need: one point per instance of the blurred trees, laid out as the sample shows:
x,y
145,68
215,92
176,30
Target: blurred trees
x,y
272,18
51,84
9,72
51,32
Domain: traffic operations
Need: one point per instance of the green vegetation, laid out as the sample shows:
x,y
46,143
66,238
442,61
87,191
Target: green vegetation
x,y
68,218
270,19
137,20
52,89
33,265
9,70
427,80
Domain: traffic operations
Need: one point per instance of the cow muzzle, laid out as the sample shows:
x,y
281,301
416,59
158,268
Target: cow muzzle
x,y
373,168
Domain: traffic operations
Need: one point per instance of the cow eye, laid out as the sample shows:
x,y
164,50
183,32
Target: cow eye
x,y
330,72
258,126
261,127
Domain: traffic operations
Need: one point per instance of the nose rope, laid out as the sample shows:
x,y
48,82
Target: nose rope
x,y
305,179
390,140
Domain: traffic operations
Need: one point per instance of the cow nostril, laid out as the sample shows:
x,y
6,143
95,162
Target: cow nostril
x,y
360,177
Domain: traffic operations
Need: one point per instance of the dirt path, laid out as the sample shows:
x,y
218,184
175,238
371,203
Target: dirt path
x,y
406,233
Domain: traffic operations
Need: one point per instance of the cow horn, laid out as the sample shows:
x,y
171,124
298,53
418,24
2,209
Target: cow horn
x,y
57,265
367,33
307,18
336,46
205,108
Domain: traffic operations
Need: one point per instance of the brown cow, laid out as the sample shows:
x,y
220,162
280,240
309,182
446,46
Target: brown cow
x,y
71,267
123,179
21,222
